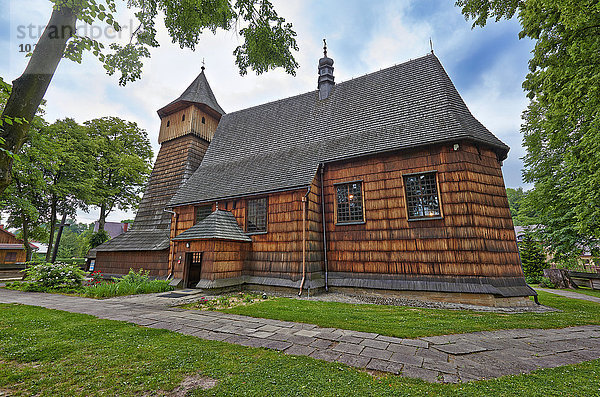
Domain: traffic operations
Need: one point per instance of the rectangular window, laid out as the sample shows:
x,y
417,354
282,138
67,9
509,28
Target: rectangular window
x,y
202,211
422,198
256,220
10,257
349,207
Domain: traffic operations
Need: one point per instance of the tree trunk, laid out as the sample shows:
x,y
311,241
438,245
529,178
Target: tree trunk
x,y
52,227
29,89
25,226
58,235
102,220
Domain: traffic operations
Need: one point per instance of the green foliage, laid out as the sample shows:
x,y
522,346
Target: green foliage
x,y
546,283
49,276
130,284
68,279
532,259
100,237
122,156
562,123
520,208
55,353
268,40
74,242
51,175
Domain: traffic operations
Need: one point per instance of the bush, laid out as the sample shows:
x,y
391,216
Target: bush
x,y
98,238
130,284
53,276
546,283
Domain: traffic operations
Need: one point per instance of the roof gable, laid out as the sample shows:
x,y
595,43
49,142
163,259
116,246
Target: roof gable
x,y
280,144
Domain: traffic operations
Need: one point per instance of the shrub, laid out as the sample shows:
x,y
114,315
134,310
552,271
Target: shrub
x,y
96,277
52,276
130,284
98,238
532,259
546,283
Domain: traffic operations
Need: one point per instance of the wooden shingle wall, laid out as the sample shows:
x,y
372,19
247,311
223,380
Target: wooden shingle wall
x,y
119,262
277,253
220,259
176,161
475,237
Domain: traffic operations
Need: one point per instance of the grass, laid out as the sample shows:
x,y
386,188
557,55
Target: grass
x,y
124,287
411,322
54,353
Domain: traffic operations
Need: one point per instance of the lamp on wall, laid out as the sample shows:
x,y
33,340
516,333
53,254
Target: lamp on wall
x,y
187,245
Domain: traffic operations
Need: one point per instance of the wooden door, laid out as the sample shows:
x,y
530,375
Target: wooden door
x,y
193,262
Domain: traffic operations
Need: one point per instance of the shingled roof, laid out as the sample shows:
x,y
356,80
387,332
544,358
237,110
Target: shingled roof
x,y
280,144
218,225
137,240
199,92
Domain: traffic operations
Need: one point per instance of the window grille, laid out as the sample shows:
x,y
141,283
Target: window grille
x,y
349,203
256,221
422,198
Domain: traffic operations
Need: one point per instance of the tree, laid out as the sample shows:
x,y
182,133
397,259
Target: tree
x,y
268,43
66,158
122,162
521,209
562,122
532,259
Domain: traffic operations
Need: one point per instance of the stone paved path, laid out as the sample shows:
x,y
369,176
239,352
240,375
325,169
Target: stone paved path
x,y
449,358
571,294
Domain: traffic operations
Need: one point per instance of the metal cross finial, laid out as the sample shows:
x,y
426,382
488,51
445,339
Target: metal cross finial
x,y
202,65
324,48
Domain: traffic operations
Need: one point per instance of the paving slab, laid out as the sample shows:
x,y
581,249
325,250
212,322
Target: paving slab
x,y
443,358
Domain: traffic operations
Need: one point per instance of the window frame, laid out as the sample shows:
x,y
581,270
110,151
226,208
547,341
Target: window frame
x,y
336,203
247,220
439,197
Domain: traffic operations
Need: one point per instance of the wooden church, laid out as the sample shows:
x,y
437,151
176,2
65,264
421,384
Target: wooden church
x,y
385,184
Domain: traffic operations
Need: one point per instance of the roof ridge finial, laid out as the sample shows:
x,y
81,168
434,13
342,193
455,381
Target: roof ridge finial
x,y
431,45
203,65
324,48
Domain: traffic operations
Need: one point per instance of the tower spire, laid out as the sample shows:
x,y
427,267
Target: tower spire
x,y
326,79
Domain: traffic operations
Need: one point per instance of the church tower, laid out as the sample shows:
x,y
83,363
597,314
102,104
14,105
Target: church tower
x,y
187,126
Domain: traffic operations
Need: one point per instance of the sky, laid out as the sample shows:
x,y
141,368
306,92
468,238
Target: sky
x,y
487,65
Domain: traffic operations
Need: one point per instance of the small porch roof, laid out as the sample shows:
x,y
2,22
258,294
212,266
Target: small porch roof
x,y
218,225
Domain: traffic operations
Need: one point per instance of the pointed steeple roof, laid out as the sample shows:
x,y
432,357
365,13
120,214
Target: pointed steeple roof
x,y
199,92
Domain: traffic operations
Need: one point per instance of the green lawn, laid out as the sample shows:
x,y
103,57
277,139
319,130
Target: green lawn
x,y
52,353
410,322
